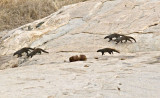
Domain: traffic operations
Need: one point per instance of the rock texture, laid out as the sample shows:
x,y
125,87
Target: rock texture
x,y
87,23
80,29
125,75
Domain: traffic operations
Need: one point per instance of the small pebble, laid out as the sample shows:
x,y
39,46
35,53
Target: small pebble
x,y
86,66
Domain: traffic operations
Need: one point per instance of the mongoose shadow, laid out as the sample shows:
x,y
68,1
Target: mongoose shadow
x,y
109,50
35,51
125,38
25,49
111,36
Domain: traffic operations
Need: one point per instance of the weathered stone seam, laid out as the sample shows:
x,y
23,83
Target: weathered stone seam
x,y
60,35
141,33
87,33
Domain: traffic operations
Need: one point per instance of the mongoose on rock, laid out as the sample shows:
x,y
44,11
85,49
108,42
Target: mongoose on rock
x,y
126,38
109,50
39,24
78,58
25,49
35,51
82,57
111,36
74,58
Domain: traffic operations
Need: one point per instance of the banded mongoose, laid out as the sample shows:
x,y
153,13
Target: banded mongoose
x,y
35,51
109,50
126,38
25,49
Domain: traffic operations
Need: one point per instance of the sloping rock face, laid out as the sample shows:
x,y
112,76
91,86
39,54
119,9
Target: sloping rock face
x,y
80,29
125,75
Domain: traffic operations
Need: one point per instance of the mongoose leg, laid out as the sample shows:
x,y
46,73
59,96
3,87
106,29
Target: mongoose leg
x,y
109,39
129,40
102,53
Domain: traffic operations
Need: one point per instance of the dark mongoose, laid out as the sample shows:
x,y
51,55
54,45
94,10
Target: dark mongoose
x,y
111,36
109,50
25,49
126,38
29,28
39,24
35,51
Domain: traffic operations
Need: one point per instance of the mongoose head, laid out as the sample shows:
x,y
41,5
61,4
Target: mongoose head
x,y
14,54
99,51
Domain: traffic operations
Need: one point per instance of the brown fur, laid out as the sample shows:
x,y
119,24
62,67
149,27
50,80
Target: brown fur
x,y
35,51
109,50
74,58
111,36
126,38
25,49
82,58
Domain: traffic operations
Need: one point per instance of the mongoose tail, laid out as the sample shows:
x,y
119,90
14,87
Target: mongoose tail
x,y
44,51
39,49
116,51
132,38
110,50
